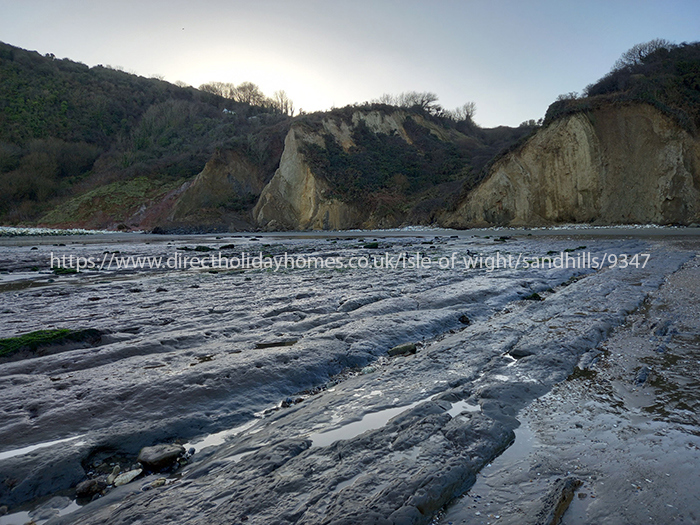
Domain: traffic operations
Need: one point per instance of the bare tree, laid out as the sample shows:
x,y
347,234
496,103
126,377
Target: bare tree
x,y
388,99
428,101
404,100
249,93
209,87
637,53
223,89
245,92
283,103
425,100
408,99
571,95
464,112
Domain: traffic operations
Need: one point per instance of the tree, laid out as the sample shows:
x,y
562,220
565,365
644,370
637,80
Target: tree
x,y
245,92
388,99
637,53
249,93
425,100
223,89
283,103
409,99
571,95
464,112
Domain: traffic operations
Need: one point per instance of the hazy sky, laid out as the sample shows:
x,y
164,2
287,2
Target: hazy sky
x,y
512,58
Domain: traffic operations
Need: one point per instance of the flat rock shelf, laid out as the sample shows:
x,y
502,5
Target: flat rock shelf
x,y
279,392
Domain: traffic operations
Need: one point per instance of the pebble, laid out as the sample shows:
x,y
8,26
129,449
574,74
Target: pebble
x,y
642,376
154,484
404,349
113,475
158,483
127,477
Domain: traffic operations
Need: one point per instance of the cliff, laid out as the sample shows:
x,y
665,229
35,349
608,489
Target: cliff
x,y
298,199
374,167
221,193
616,164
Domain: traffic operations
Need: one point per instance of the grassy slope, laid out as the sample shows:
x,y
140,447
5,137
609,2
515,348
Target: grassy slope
x,y
118,200
33,341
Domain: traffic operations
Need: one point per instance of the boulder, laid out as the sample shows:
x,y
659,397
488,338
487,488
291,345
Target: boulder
x,y
90,487
404,349
160,456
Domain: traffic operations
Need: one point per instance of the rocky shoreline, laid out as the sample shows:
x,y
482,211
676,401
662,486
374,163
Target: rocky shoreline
x,y
624,425
397,438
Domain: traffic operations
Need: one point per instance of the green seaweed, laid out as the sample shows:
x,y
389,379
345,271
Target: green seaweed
x,y
34,340
64,271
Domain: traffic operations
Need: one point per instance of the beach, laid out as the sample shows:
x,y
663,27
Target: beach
x,y
355,377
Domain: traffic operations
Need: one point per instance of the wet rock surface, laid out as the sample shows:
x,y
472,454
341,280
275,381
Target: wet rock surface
x,y
327,430
633,445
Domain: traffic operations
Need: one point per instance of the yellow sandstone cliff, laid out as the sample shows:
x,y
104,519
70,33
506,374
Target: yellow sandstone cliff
x,y
228,182
295,198
613,165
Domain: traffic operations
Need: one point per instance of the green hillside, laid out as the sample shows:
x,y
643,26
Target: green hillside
x,y
66,129
98,147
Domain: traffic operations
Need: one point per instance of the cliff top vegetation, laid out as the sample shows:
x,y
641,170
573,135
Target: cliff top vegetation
x,y
658,72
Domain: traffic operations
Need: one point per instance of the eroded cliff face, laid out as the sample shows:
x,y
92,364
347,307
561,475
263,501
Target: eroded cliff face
x,y
227,185
615,165
297,198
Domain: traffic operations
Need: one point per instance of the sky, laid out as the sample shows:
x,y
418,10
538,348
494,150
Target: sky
x,y
512,58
